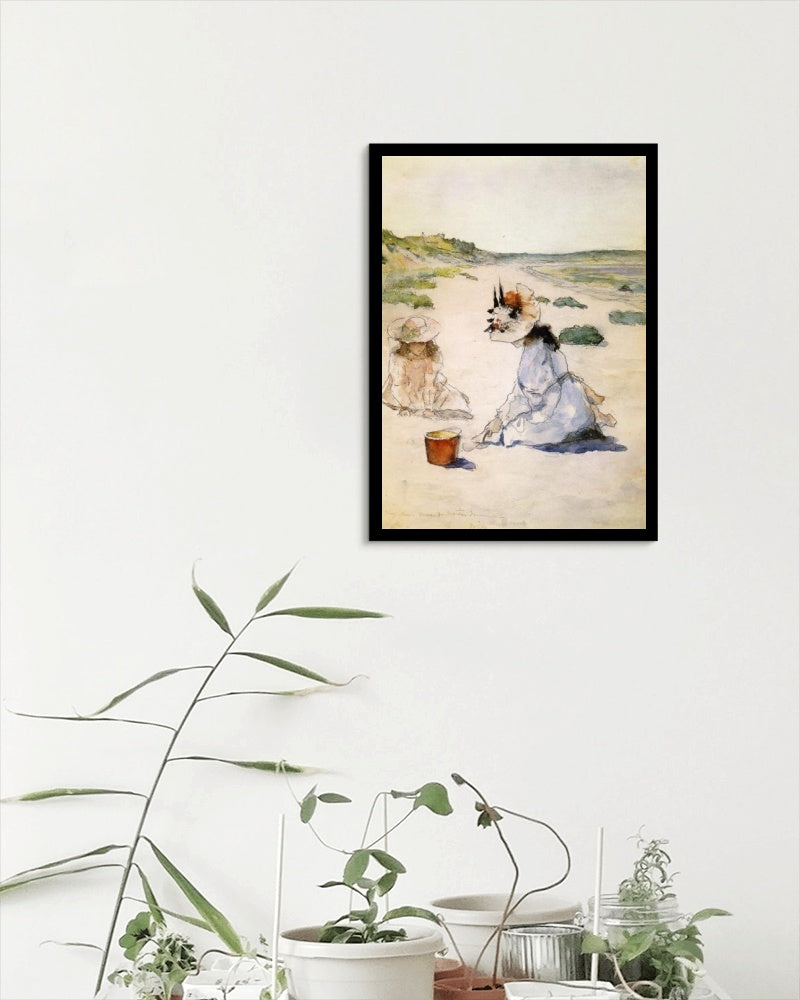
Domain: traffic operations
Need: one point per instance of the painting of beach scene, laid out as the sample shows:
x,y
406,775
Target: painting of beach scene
x,y
512,383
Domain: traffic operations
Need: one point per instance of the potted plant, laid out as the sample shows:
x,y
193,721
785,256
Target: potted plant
x,y
131,855
646,946
363,953
466,987
160,961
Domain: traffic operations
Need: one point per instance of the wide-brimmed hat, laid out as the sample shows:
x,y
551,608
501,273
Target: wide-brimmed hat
x,y
413,329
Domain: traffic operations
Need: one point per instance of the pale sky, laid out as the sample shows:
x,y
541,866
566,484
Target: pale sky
x,y
534,204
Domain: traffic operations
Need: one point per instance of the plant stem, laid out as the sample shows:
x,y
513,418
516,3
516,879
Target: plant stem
x,y
148,801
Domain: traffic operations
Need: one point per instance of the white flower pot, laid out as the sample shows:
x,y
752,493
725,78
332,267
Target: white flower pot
x,y
393,970
471,920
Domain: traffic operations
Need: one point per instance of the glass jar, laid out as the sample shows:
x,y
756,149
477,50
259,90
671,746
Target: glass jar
x,y
619,920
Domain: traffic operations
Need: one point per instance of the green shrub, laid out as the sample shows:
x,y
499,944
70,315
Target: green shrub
x,y
567,300
585,335
628,318
407,296
542,298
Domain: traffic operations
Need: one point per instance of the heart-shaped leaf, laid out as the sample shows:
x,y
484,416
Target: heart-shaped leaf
x,y
433,796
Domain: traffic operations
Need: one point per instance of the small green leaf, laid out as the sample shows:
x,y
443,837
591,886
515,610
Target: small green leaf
x,y
686,949
331,884
272,592
386,883
593,945
333,797
433,796
194,921
211,607
484,819
307,807
710,912
58,793
365,916
636,945
212,916
273,766
410,911
150,680
321,612
356,866
388,862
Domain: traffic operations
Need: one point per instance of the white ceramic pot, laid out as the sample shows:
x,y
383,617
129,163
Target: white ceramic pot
x,y
471,920
392,970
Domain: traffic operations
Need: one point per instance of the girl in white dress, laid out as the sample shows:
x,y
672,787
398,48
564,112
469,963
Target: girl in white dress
x,y
548,404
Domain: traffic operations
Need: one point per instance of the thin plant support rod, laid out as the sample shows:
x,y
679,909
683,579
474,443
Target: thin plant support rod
x,y
148,801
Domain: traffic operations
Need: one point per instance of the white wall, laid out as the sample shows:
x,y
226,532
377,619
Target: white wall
x,y
184,339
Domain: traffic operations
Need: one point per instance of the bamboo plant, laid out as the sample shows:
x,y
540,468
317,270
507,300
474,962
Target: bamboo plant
x,y
208,916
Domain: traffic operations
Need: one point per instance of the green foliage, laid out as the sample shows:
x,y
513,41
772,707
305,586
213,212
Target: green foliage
x,y
624,318
583,335
567,300
543,299
160,961
407,297
361,925
141,937
668,957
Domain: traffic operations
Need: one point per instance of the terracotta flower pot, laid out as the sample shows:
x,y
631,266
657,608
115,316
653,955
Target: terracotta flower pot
x,y
448,968
468,988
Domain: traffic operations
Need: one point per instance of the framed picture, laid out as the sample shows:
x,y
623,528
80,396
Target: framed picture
x,y
512,347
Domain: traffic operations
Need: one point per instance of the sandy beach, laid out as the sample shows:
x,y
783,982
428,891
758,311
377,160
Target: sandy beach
x,y
519,487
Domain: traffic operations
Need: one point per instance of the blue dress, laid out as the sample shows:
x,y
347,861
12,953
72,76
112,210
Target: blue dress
x,y
548,405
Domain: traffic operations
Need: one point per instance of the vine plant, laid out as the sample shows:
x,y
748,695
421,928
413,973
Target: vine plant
x,y
209,917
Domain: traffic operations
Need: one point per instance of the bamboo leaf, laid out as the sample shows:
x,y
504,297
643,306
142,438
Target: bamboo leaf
x,y
410,911
194,921
65,861
57,793
155,910
323,612
73,944
136,687
297,693
16,884
274,767
211,607
86,718
212,916
292,668
272,592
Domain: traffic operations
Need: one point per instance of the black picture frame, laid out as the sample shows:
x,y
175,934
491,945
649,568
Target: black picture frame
x,y
376,373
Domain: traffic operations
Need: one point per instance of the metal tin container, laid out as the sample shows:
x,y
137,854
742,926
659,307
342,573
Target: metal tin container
x,y
542,951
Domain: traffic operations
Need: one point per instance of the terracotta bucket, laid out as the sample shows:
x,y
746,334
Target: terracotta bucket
x,y
441,447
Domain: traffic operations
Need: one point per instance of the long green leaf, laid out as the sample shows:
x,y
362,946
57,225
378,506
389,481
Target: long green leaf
x,y
410,911
59,793
274,767
65,861
297,693
293,668
272,592
194,921
73,944
212,916
11,884
136,687
212,609
155,910
322,612
86,718
706,914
